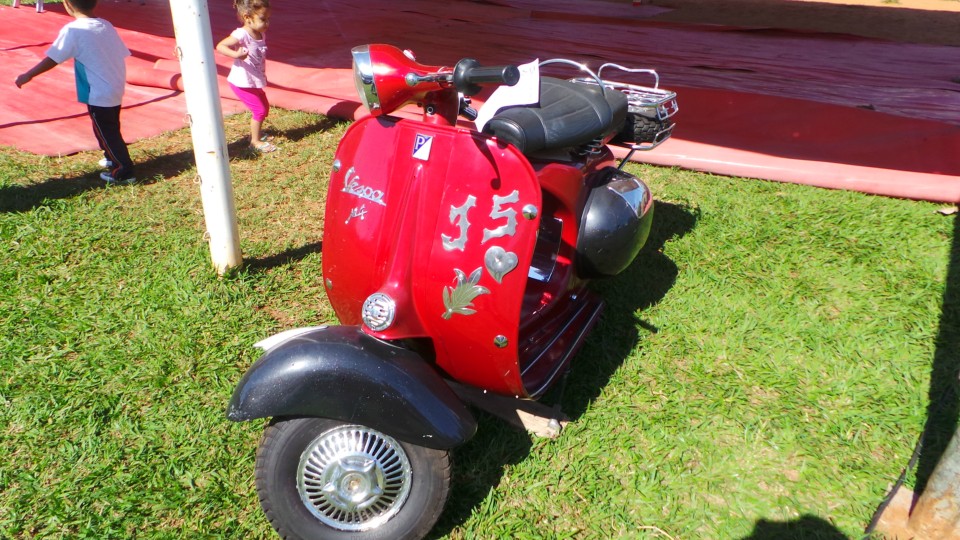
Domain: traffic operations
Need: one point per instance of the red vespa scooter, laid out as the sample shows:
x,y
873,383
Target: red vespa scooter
x,y
457,261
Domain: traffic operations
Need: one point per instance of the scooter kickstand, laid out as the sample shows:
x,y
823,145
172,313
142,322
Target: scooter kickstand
x,y
531,416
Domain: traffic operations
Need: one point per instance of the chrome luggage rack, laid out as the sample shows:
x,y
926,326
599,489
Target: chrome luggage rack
x,y
654,105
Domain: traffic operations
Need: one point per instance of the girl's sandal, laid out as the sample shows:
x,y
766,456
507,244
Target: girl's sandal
x,y
264,147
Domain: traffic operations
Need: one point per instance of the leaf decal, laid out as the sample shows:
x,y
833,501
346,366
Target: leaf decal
x,y
459,298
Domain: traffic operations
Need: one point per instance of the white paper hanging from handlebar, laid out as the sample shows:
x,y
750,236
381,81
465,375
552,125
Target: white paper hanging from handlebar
x,y
525,92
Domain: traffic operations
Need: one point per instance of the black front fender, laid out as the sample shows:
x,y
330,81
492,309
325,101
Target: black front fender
x,y
339,372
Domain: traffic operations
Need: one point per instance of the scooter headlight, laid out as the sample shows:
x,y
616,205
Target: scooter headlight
x,y
363,77
379,311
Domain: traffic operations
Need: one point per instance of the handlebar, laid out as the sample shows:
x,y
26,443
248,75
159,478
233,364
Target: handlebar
x,y
468,75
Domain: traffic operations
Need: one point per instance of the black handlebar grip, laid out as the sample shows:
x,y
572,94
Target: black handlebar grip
x,y
468,75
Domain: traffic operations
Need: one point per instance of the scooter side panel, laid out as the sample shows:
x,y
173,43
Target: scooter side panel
x,y
479,260
361,217
445,233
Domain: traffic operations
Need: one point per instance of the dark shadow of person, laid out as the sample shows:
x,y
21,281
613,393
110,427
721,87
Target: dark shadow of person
x,y
26,198
23,198
805,527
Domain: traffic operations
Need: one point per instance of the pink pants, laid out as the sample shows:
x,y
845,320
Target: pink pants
x,y
255,99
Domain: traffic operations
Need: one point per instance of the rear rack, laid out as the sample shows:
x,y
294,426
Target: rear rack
x,y
651,105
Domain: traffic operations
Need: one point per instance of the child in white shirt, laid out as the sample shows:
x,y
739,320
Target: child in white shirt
x,y
101,75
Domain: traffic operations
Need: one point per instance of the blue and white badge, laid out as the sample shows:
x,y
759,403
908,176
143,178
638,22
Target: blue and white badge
x,y
421,147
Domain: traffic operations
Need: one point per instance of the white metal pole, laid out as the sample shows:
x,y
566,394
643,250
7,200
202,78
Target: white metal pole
x,y
191,25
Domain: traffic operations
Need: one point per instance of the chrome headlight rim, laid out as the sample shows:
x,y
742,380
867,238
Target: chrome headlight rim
x,y
363,77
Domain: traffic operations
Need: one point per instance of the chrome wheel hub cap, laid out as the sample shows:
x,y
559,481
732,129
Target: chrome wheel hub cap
x,y
353,478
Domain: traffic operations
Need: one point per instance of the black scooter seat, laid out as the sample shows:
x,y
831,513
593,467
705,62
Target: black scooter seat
x,y
568,114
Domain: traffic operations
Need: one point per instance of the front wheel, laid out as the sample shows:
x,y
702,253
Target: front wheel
x,y
323,479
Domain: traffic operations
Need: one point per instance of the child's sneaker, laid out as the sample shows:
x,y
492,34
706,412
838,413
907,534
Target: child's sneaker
x,y
264,147
105,163
109,179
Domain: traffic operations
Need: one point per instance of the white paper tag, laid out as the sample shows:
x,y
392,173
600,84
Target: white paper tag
x,y
525,92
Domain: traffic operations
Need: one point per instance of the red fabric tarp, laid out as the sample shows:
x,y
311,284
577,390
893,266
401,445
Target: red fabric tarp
x,y
821,109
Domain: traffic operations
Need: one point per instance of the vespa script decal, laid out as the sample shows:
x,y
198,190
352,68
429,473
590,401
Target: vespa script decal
x,y
352,185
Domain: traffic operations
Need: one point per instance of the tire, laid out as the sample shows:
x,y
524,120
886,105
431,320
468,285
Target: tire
x,y
397,490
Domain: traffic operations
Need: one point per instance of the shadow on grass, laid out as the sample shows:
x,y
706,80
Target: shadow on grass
x,y
943,412
283,258
152,170
27,197
803,528
478,467
299,133
479,464
641,286
943,409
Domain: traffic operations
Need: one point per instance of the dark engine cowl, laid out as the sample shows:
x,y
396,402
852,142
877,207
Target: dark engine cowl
x,y
615,224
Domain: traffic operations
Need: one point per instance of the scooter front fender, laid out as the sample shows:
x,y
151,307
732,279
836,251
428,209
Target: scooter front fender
x,y
339,372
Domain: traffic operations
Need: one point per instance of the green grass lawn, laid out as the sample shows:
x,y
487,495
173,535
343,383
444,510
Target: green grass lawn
x,y
762,371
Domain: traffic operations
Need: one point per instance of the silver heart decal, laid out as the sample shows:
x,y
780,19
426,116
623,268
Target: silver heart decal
x,y
499,262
